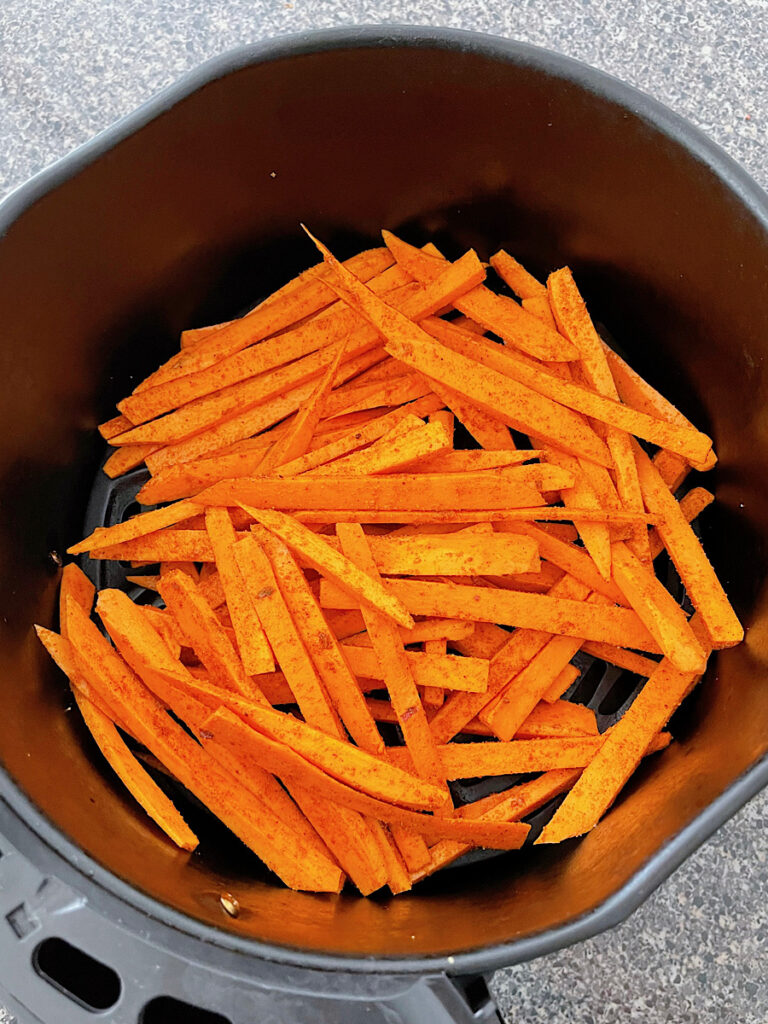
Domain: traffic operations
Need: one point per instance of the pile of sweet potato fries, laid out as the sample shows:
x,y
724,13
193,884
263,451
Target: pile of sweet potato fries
x,y
327,560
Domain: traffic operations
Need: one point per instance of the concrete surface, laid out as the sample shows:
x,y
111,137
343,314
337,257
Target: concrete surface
x,y
696,952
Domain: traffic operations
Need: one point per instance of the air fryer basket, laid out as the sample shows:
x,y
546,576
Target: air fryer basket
x,y
183,214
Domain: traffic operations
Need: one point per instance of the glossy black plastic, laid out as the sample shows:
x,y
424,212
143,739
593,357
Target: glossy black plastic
x,y
187,211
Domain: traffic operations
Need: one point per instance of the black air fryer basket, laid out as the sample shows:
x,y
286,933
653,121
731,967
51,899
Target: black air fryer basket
x,y
186,213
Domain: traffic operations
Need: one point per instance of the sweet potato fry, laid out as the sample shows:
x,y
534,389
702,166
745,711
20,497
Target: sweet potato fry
x,y
620,656
230,731
703,586
489,432
454,673
496,313
396,669
619,626
396,451
517,277
619,754
138,526
692,505
205,633
257,826
252,644
322,647
470,760
161,546
285,641
658,610
474,461
458,554
350,626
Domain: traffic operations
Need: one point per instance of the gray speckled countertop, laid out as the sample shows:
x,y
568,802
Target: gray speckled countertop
x,y
697,951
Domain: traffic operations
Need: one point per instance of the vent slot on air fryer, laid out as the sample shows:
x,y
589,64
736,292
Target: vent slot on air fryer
x,y
165,1010
76,974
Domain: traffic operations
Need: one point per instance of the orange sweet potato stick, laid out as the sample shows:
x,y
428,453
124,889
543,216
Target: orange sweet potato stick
x,y
496,313
283,635
575,322
470,760
619,626
621,752
405,444
698,576
253,420
596,536
389,651
434,695
322,646
529,374
252,644
540,308
351,629
692,505
563,682
139,784
475,460
454,673
117,425
295,442
662,615
210,409
621,657
454,555
357,768
513,804
333,564
487,430
672,469
497,394
124,459
406,492
437,516
252,747
638,393
566,556
257,826
517,277
161,546
138,526
205,633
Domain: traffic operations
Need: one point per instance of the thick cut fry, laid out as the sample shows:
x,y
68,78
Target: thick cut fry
x,y
434,695
398,492
124,459
389,651
562,683
703,586
619,626
662,615
257,826
620,753
117,425
692,505
232,732
539,307
333,564
139,784
472,760
448,670
252,644
138,526
596,536
517,277
205,634
673,469
458,554
435,516
283,636
322,647
496,313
